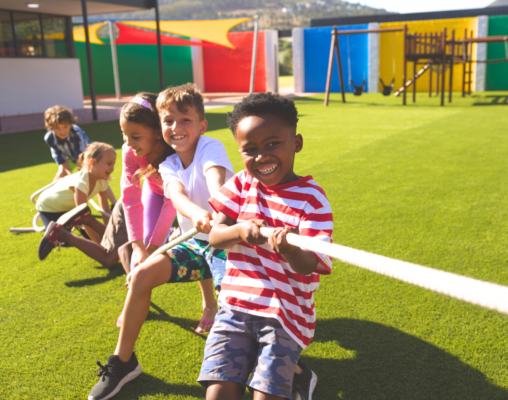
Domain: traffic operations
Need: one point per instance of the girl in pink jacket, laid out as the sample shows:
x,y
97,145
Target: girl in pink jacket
x,y
149,214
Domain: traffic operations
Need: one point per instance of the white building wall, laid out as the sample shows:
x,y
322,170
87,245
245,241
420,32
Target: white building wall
x,y
31,85
272,60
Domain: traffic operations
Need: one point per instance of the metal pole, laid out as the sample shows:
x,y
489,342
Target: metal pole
x,y
330,66
404,61
159,45
89,60
254,55
115,60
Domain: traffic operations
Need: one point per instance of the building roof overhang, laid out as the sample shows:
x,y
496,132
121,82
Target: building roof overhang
x,y
72,8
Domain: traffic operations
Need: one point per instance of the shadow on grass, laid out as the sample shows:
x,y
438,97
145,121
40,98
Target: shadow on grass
x,y
496,100
112,274
390,364
161,315
147,385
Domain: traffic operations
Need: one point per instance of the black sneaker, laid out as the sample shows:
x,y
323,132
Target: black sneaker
x,y
304,383
113,376
74,217
49,241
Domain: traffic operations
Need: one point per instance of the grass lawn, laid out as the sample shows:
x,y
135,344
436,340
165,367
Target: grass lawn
x,y
424,183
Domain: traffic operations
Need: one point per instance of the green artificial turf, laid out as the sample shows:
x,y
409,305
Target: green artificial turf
x,y
425,184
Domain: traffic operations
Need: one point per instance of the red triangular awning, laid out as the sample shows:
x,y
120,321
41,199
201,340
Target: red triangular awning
x,y
129,35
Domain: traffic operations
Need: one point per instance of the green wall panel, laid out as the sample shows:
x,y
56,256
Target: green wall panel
x,y
497,74
138,67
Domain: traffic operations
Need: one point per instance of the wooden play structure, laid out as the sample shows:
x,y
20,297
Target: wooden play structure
x,y
433,52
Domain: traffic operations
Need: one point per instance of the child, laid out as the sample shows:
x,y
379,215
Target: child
x,y
199,168
98,162
148,214
65,139
266,312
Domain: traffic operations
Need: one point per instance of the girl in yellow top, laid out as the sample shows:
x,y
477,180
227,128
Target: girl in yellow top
x,y
98,162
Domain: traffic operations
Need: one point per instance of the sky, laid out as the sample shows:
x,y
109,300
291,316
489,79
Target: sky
x,y
409,6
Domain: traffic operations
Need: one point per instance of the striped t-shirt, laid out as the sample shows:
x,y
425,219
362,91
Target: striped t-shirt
x,y
258,280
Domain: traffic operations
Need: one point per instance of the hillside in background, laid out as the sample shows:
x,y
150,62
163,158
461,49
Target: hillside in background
x,y
272,14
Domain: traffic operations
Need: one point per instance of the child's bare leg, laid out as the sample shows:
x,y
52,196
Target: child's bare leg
x,y
91,249
219,390
209,305
92,223
145,278
125,255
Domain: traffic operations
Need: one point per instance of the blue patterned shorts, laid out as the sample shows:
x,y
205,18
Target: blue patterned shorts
x,y
194,260
240,344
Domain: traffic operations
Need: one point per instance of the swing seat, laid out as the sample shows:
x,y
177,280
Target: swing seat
x,y
358,89
387,89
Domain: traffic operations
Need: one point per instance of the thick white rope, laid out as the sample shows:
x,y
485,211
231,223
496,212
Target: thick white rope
x,y
483,294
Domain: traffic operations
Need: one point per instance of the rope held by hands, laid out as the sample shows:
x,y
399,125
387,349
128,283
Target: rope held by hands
x,y
480,293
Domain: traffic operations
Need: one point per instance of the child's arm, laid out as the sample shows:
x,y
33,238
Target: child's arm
x,y
104,204
301,261
226,232
178,195
63,170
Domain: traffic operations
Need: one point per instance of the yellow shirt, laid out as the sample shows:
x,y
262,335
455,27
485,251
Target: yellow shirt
x,y
60,198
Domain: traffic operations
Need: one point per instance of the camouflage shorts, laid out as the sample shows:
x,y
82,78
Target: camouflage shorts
x,y
240,344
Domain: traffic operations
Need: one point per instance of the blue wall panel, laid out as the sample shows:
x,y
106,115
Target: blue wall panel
x,y
317,43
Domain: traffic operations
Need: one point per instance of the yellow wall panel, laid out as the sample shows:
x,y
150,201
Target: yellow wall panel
x,y
392,44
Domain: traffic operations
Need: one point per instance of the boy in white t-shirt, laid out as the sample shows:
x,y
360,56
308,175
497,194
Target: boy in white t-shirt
x,y
198,169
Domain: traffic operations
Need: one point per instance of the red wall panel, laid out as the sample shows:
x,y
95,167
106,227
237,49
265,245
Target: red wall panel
x,y
228,70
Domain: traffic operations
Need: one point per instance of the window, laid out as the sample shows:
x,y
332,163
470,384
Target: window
x,y
55,37
25,34
27,27
6,39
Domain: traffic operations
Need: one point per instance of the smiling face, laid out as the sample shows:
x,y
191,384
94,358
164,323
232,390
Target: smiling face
x,y
182,130
62,130
140,138
268,148
104,167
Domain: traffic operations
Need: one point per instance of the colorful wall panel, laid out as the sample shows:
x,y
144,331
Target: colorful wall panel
x,y
229,70
138,67
497,74
391,45
353,51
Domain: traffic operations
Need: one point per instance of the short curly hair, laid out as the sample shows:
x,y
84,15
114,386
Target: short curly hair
x,y
264,104
58,115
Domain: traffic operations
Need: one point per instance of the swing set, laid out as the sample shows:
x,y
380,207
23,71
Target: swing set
x,y
434,52
334,49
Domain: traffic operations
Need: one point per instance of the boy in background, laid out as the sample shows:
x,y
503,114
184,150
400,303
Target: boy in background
x,y
267,313
65,139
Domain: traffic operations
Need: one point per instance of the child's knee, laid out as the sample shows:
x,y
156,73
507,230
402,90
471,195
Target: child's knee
x,y
143,277
111,260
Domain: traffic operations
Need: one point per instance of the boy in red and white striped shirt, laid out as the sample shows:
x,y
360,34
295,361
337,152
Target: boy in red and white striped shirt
x,y
267,306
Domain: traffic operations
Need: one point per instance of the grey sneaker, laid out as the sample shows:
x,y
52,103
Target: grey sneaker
x,y
113,376
304,383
